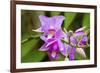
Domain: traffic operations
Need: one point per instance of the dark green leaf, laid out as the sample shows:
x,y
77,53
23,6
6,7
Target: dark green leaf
x,y
34,56
69,16
87,50
27,46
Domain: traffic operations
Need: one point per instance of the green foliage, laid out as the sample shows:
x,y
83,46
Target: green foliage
x,y
78,56
54,13
86,20
34,56
62,58
28,45
87,50
69,16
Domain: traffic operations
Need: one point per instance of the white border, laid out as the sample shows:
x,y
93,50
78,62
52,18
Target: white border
x,y
51,64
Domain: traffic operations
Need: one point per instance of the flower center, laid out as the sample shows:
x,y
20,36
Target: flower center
x,y
52,31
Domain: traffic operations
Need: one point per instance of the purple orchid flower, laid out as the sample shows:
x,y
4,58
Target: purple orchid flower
x,y
77,39
52,35
81,37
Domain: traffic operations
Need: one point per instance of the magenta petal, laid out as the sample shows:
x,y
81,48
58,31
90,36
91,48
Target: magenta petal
x,y
43,48
53,55
50,42
62,48
55,46
83,41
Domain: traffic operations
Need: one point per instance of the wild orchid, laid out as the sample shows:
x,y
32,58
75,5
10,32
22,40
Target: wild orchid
x,y
76,42
52,35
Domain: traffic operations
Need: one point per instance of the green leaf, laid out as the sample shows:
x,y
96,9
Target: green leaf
x,y
30,35
69,16
25,36
86,20
87,50
54,13
36,34
34,56
78,56
27,46
61,58
29,21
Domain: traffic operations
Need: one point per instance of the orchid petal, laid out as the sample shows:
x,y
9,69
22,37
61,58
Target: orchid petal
x,y
48,23
45,23
53,55
43,19
71,56
59,34
50,42
56,21
55,46
80,29
83,41
43,48
79,34
66,47
62,48
43,38
73,40
71,52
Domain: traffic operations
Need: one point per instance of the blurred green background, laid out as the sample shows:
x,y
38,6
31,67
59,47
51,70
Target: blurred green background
x,y
30,45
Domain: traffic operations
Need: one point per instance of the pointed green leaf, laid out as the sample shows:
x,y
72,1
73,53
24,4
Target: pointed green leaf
x,y
69,16
27,46
86,20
